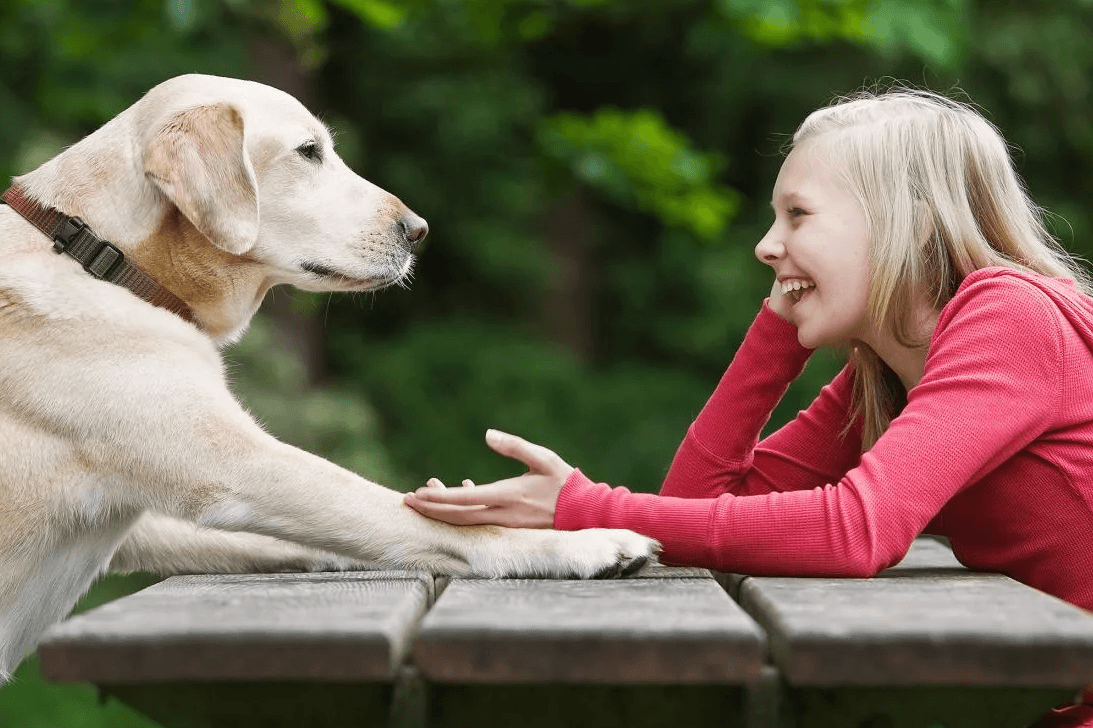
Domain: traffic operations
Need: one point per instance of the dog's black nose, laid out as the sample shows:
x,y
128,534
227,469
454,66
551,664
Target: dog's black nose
x,y
414,229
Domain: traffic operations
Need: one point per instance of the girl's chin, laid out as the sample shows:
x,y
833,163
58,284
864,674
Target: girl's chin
x,y
810,339
806,341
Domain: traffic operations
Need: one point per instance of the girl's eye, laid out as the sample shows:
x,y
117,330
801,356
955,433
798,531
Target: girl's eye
x,y
310,150
796,212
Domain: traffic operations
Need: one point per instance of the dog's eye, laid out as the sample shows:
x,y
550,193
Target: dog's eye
x,y
310,150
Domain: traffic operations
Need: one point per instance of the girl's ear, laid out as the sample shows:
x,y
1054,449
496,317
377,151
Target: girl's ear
x,y
199,160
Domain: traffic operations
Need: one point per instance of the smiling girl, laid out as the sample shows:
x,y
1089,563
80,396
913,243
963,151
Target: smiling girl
x,y
902,233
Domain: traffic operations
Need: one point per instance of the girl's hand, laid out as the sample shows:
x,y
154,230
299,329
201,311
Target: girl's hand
x,y
779,303
526,501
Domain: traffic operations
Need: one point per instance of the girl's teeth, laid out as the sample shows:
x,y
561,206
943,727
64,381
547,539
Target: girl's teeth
x,y
793,286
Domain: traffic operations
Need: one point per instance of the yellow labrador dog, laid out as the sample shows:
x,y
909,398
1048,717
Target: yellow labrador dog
x,y
120,444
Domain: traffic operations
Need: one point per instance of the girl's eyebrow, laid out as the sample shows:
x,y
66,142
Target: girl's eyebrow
x,y
786,198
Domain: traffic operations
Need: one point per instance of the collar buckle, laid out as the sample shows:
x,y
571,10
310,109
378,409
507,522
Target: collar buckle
x,y
67,232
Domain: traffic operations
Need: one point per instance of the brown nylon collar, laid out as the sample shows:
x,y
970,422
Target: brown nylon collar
x,y
70,235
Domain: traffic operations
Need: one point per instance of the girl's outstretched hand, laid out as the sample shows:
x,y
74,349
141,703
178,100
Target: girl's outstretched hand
x,y
526,501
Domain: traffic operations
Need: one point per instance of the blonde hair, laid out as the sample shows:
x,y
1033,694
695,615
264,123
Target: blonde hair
x,y
942,199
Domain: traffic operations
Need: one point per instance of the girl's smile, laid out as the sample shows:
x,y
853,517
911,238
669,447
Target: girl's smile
x,y
796,288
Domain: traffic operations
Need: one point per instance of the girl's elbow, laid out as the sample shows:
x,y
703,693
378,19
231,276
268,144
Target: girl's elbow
x,y
872,562
857,568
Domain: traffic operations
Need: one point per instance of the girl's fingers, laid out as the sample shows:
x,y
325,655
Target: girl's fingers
x,y
456,515
436,483
499,504
777,301
536,457
493,495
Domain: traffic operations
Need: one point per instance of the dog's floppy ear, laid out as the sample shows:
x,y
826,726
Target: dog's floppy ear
x,y
198,159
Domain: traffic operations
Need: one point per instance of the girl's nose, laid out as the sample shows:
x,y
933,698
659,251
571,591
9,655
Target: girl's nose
x,y
770,248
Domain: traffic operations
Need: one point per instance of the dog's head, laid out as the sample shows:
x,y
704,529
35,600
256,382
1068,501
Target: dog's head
x,y
254,172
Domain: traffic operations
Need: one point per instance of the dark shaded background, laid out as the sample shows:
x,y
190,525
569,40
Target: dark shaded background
x,y
595,174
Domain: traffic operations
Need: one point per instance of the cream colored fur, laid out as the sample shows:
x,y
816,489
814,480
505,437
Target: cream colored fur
x,y
120,443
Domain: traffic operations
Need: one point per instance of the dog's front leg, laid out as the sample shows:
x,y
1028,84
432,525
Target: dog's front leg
x,y
181,445
281,491
186,448
165,545
209,463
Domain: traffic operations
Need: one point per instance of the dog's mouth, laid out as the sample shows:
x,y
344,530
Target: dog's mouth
x,y
347,282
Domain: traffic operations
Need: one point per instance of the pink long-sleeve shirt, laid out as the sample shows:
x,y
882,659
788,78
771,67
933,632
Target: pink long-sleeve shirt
x,y
993,450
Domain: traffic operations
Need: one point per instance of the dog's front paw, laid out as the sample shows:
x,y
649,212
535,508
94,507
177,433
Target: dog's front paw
x,y
611,553
595,553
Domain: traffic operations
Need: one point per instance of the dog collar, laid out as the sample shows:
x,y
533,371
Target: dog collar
x,y
102,259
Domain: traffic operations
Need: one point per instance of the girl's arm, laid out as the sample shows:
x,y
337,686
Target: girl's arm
x,y
721,453
992,385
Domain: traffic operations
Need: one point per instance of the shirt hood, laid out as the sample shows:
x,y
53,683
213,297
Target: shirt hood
x,y
1075,306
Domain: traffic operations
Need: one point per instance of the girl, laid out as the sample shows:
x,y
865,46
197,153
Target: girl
x,y
902,232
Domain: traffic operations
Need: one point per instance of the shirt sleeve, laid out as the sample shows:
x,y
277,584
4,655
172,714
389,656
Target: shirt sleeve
x,y
721,453
997,349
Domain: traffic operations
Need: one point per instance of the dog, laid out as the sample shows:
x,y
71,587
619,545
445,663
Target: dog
x,y
121,446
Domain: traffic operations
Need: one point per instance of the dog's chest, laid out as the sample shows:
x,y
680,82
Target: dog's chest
x,y
47,589
10,311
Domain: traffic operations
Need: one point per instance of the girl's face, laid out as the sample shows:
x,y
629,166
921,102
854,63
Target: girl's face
x,y
818,247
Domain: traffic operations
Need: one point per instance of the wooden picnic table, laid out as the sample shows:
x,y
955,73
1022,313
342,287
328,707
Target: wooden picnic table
x,y
926,643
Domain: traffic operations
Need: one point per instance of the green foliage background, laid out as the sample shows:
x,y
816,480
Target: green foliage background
x,y
595,173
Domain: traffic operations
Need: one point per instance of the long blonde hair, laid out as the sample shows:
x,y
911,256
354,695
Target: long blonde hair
x,y
942,199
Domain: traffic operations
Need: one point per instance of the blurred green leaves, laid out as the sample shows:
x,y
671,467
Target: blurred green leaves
x,y
931,29
379,13
304,21
272,382
934,31
458,378
782,22
639,161
68,66
30,702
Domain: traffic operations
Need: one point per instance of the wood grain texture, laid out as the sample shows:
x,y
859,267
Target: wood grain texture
x,y
648,630
926,622
660,571
326,626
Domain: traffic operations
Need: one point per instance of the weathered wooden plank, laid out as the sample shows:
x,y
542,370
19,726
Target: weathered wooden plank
x,y
654,629
660,571
327,626
926,622
925,553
